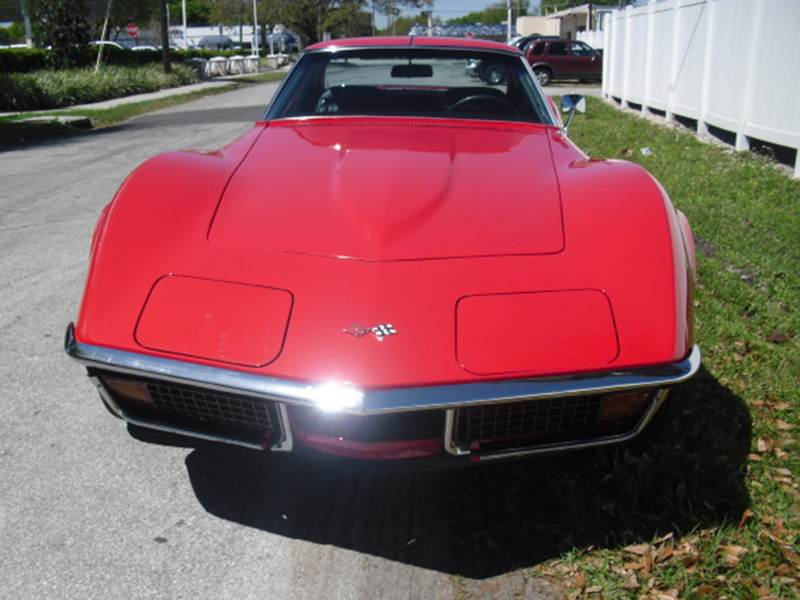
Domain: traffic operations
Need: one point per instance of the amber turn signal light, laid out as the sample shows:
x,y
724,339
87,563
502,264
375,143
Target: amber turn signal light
x,y
134,392
624,405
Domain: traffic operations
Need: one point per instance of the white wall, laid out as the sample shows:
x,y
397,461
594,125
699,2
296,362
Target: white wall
x,y
543,25
731,64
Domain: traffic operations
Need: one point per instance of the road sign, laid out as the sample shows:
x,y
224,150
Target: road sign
x,y
133,30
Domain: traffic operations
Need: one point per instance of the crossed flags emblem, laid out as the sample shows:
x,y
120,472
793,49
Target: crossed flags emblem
x,y
379,331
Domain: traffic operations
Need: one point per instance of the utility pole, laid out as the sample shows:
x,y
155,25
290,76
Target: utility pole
x,y
162,16
256,32
509,19
185,34
26,17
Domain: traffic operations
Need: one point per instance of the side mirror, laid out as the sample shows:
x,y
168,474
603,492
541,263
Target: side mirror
x,y
570,103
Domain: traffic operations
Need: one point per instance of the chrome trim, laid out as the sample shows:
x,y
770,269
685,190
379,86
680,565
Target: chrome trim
x,y
284,444
115,408
349,399
453,449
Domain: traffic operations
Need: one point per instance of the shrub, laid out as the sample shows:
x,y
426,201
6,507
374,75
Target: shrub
x,y
22,60
62,25
58,89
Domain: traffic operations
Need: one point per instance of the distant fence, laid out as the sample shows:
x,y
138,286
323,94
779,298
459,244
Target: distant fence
x,y
729,64
596,39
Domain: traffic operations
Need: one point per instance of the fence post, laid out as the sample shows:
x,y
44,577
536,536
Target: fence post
x,y
674,60
626,57
702,128
610,53
748,87
648,56
607,25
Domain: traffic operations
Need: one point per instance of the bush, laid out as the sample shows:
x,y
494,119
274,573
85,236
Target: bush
x,y
63,26
22,60
59,89
131,58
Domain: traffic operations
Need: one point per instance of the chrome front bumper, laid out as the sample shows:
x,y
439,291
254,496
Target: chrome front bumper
x,y
332,396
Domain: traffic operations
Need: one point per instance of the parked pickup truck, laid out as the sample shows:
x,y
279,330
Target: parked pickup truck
x,y
564,59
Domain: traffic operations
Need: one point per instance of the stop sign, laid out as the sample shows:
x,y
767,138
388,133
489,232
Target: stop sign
x,y
133,30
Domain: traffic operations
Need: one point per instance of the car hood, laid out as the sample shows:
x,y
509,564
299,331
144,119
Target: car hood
x,y
396,190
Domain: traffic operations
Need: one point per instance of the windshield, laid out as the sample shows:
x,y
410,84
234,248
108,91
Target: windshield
x,y
420,82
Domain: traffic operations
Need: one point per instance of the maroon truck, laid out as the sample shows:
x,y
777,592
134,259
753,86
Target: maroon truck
x,y
564,59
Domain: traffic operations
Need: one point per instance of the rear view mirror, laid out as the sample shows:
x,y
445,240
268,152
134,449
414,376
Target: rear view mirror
x,y
571,103
411,71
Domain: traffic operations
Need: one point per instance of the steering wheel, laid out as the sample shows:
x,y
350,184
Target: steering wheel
x,y
326,103
496,100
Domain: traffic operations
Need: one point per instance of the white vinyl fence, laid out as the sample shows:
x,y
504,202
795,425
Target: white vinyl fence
x,y
730,64
596,39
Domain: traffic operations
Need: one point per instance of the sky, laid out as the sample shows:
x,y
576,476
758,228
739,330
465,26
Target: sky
x,y
451,9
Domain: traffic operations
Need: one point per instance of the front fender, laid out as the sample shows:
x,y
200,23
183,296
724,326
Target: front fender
x,y
164,207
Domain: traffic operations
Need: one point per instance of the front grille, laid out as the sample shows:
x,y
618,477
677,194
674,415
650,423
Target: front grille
x,y
540,418
372,429
195,410
204,406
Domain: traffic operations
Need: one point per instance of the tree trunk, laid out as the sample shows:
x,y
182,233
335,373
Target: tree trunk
x,y
165,57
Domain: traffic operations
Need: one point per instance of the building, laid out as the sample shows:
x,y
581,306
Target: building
x,y
564,23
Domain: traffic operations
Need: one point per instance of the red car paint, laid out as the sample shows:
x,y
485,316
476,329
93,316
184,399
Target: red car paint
x,y
496,249
617,238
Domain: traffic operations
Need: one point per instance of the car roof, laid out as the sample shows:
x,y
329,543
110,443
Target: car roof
x,y
413,41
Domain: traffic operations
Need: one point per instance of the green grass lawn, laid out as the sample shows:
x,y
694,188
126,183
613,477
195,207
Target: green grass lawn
x,y
716,491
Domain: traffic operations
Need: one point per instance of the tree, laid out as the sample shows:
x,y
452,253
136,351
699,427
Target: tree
x,y
392,9
231,12
349,20
166,59
307,17
13,34
62,25
402,25
197,13
125,12
494,13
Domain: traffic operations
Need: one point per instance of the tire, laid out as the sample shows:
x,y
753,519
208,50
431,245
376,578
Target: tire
x,y
494,76
543,75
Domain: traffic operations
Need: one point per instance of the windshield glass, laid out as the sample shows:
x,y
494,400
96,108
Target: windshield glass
x,y
420,82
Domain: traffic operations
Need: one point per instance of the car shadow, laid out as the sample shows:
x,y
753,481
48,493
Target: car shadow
x,y
491,520
187,117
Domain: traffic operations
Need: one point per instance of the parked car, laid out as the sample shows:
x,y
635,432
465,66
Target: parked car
x,y
106,44
215,42
283,42
398,262
489,71
521,42
564,59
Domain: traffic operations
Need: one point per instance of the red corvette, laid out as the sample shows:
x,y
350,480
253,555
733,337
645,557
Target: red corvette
x,y
398,262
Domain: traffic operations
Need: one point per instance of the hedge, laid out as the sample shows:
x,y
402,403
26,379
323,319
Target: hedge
x,y
22,60
59,89
26,60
